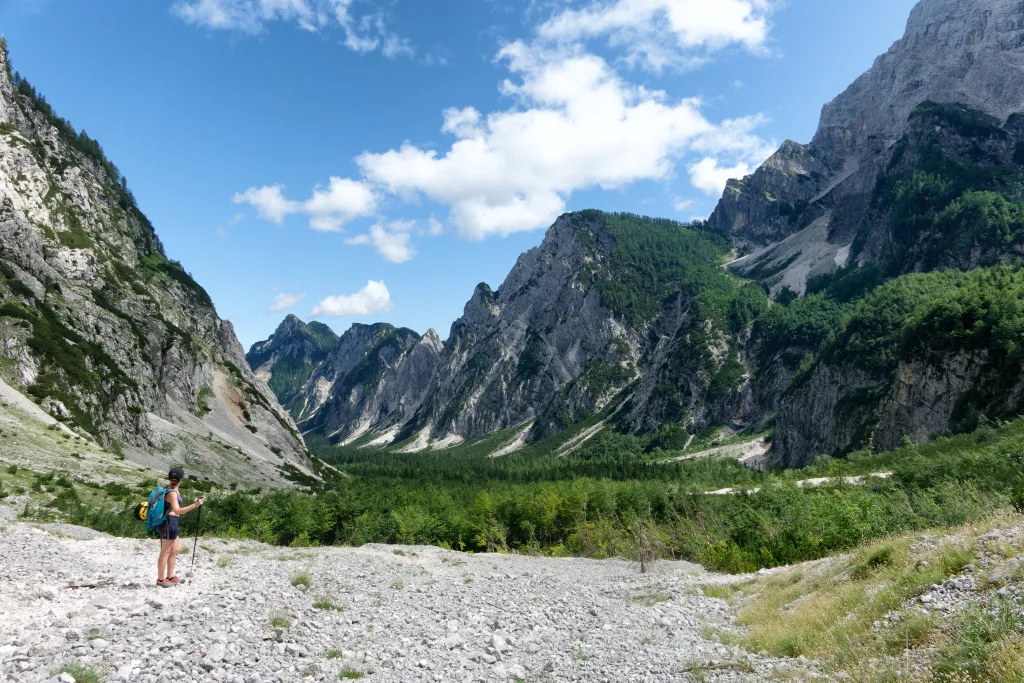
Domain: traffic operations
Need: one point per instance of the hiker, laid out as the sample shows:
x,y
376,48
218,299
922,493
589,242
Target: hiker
x,y
168,529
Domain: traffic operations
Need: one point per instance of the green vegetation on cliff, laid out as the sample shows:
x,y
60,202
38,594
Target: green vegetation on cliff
x,y
653,259
297,349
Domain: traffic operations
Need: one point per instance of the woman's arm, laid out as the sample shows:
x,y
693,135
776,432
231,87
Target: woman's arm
x,y
172,498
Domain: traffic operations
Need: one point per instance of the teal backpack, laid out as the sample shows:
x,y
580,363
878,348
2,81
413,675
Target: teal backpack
x,y
153,509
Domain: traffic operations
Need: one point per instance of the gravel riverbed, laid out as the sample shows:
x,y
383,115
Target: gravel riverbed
x,y
383,613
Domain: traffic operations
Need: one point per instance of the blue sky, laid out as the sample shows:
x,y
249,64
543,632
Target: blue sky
x,y
371,160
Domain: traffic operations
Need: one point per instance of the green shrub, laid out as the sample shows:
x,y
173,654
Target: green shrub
x,y
82,673
327,604
302,578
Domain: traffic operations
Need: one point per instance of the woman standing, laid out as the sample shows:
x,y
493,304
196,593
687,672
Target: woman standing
x,y
168,529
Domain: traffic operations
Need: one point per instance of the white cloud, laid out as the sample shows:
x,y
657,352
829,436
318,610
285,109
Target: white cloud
x,y
366,33
373,298
662,33
340,202
579,126
328,208
710,178
269,201
680,204
574,124
391,240
285,301
434,227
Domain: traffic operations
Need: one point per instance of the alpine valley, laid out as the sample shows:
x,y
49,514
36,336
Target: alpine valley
x,y
806,411
851,292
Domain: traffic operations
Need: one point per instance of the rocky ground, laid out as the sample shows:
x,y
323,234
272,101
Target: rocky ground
x,y
386,613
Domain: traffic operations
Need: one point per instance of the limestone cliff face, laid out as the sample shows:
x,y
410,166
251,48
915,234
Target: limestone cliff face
x,y
808,210
523,352
841,407
372,383
100,326
291,355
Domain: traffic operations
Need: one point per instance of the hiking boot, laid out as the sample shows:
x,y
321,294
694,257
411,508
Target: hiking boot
x,y
174,580
164,583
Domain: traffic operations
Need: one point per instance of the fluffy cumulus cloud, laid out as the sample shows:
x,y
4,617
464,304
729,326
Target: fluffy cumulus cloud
x,y
710,178
366,32
373,298
391,240
328,208
574,123
579,125
283,302
663,33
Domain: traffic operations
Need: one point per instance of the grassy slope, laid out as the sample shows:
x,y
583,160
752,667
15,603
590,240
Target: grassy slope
x,y
861,615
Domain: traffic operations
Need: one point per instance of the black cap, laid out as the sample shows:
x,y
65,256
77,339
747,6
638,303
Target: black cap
x,y
176,474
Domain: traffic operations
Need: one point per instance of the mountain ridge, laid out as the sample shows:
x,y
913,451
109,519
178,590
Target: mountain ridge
x,y
102,328
905,174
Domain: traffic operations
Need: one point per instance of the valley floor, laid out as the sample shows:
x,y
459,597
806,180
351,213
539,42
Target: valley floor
x,y
73,596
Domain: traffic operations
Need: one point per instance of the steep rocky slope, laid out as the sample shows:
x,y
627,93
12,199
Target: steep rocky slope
x,y
371,384
811,209
100,327
604,302
286,360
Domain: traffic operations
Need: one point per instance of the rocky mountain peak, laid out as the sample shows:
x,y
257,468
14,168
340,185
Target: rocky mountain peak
x,y
969,52
811,210
291,323
433,339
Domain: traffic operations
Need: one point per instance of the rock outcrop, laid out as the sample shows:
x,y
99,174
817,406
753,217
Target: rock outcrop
x,y
808,210
523,352
372,383
98,323
290,356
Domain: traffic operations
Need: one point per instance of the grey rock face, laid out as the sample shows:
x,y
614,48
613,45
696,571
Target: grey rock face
x,y
291,355
374,380
842,407
97,321
522,353
967,52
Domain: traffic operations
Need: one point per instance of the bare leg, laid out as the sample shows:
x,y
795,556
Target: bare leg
x,y
172,557
161,562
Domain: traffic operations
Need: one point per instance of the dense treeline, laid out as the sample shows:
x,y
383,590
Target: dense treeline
x,y
654,258
950,481
954,183
979,311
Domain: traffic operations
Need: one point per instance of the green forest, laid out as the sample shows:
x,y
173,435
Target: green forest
x,y
530,504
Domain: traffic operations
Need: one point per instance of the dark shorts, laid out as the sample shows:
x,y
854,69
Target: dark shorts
x,y
168,530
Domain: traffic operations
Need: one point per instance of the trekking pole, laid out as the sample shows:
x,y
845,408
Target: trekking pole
x,y
195,544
